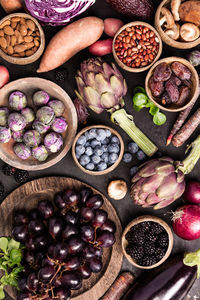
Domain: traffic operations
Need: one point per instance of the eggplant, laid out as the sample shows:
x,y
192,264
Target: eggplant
x,y
171,281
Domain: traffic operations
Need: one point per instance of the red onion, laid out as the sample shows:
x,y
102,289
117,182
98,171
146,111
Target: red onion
x,y
186,222
192,192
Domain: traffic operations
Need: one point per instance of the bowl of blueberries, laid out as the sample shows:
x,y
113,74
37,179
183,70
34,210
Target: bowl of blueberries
x,y
97,149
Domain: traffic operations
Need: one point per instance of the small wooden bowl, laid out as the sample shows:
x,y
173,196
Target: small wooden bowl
x,y
29,86
120,63
29,59
165,37
111,168
144,219
194,93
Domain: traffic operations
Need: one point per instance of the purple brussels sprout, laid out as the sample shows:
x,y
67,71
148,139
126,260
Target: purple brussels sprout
x,y
53,141
16,122
59,125
4,112
32,138
5,134
40,127
40,98
28,114
18,136
57,106
17,100
40,153
45,115
22,150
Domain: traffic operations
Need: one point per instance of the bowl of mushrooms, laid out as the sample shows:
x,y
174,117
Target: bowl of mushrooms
x,y
178,23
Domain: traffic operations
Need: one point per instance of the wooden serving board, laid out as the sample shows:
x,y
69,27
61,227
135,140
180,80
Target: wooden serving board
x,y
27,197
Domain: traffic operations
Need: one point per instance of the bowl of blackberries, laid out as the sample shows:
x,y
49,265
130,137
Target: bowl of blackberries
x,y
147,242
97,149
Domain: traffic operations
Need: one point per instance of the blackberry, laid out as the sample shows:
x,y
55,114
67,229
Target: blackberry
x,y
61,75
8,170
135,251
136,237
145,225
163,240
148,261
149,248
159,253
21,175
150,237
1,189
156,228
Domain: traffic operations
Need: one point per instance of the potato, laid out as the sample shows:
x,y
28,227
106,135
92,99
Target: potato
x,y
4,76
12,5
111,26
69,41
101,47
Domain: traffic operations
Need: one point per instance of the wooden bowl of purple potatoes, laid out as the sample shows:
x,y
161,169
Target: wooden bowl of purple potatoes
x,y
29,86
172,84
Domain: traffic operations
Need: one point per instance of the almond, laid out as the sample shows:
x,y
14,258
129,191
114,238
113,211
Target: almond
x,y
8,30
30,24
3,43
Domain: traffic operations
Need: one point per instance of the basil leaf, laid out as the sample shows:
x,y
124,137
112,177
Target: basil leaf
x,y
4,244
16,256
159,118
154,110
139,89
2,294
140,99
12,244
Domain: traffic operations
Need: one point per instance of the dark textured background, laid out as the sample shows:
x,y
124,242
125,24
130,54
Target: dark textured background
x,y
125,208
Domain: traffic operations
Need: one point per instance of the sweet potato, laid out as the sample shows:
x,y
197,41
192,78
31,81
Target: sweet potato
x,y
190,11
69,41
12,5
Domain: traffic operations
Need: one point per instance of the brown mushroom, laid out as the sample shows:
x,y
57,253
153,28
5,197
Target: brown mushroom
x,y
117,189
189,32
174,32
166,18
175,5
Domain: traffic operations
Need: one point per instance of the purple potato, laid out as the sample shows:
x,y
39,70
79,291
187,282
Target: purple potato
x,y
57,106
32,138
17,100
16,122
28,114
53,142
4,112
40,153
22,151
40,98
5,135
40,127
59,125
45,115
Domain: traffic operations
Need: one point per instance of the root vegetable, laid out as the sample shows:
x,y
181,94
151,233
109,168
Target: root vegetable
x,y
4,76
101,47
11,5
69,41
112,25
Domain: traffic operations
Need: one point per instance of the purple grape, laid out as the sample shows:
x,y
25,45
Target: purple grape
x,y
32,282
98,251
72,263
95,202
59,201
109,226
71,217
46,208
87,233
20,218
95,264
60,251
55,227
38,259
29,257
99,218
75,244
62,293
47,262
106,239
88,252
87,214
71,279
22,284
71,197
36,227
57,281
46,273
42,241
30,244
34,214
69,230
85,193
85,271
20,233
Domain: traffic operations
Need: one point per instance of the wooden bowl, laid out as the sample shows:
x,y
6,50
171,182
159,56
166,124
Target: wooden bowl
x,y
165,37
111,168
194,93
120,63
143,219
29,59
29,86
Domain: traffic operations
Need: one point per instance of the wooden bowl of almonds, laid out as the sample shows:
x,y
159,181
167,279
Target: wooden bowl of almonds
x,y
22,39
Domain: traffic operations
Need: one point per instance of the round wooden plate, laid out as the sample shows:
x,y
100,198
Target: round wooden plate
x,y
27,197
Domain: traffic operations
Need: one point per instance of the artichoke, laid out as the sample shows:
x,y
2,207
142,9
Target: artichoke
x,y
102,87
161,181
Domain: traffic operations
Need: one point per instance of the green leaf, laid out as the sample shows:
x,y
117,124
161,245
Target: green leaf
x,y
140,99
159,118
138,108
139,89
154,110
16,256
4,244
193,259
2,294
16,271
12,244
150,104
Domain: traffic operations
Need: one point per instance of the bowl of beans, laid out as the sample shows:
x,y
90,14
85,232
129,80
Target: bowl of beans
x,y
22,39
136,46
97,149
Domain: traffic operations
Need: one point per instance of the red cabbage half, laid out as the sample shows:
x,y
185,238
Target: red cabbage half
x,y
57,12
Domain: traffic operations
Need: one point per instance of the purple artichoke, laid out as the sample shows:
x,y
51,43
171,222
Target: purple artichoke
x,y
40,127
32,138
16,122
22,151
4,112
40,98
5,135
28,114
57,106
18,136
40,153
45,115
59,125
17,100
82,111
53,141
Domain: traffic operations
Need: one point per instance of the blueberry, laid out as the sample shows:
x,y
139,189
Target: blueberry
x,y
133,170
84,160
98,150
92,134
112,158
86,135
114,139
105,141
80,150
90,166
87,144
104,148
102,166
81,140
113,148
95,143
140,155
95,159
127,157
104,157
133,147
88,151
108,133
101,134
